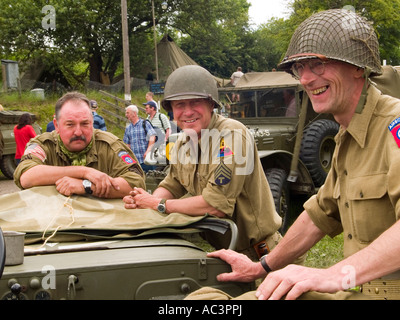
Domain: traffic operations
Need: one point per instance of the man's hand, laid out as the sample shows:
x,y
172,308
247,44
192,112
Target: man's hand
x,y
69,186
103,183
141,199
243,269
295,280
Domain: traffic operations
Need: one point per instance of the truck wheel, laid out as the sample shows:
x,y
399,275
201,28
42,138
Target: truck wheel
x,y
317,149
277,180
8,165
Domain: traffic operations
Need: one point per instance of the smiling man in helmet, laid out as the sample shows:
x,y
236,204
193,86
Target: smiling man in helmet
x,y
333,53
215,168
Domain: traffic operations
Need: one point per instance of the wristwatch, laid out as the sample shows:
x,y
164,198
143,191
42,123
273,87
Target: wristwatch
x,y
88,186
161,206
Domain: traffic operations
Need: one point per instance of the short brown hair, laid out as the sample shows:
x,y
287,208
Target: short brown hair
x,y
70,96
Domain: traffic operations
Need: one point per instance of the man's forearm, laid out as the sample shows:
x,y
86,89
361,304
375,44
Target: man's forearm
x,y
42,175
193,206
301,236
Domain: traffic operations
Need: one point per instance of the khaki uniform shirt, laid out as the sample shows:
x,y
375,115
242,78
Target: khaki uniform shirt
x,y
361,193
228,175
108,154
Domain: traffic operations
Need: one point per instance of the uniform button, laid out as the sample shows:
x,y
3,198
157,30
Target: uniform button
x,y
350,236
361,195
345,172
346,204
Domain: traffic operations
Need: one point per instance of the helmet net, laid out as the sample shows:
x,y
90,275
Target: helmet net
x,y
336,34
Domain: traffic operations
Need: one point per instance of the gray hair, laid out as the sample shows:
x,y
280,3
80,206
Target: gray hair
x,y
133,108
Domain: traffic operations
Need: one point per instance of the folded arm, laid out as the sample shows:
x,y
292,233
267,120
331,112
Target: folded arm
x,y
68,180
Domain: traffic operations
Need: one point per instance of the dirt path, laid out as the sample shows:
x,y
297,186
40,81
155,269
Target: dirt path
x,y
7,186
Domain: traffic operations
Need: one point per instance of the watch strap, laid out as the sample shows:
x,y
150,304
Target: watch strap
x,y
265,264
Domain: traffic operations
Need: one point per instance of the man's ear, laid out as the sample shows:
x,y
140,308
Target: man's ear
x,y
358,72
55,124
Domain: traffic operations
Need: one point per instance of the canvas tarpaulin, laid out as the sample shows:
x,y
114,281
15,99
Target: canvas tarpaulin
x,y
171,57
389,81
257,80
43,209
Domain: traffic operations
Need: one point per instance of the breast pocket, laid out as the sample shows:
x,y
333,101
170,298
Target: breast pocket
x,y
370,206
186,178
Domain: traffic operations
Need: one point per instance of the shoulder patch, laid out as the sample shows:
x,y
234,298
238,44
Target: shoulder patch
x,y
394,128
222,174
126,157
35,150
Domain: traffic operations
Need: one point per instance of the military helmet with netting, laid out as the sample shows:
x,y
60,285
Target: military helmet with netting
x,y
337,34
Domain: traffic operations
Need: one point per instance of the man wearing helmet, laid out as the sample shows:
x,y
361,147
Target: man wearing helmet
x,y
333,53
205,174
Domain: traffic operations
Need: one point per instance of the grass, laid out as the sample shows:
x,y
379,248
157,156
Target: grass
x,y
325,253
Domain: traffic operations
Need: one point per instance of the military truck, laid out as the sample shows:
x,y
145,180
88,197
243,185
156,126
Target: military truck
x,y
294,143
8,120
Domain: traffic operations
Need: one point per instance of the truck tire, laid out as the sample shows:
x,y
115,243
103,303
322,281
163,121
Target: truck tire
x,y
8,165
277,180
317,149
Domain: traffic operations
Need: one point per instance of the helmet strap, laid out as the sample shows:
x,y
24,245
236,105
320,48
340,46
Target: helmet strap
x,y
363,97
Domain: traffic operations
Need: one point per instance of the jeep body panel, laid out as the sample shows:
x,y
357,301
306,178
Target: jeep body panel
x,y
139,269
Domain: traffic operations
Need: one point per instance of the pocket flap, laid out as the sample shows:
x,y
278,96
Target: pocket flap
x,y
367,187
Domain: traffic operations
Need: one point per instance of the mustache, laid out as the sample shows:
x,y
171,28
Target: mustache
x,y
76,138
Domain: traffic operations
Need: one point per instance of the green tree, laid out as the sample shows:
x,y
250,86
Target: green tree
x,y
90,31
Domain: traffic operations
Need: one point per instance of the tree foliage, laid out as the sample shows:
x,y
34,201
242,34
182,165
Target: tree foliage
x,y
215,33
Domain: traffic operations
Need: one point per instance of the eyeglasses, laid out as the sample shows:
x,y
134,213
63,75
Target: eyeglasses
x,y
317,66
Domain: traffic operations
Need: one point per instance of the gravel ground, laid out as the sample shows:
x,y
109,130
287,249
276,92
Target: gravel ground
x,y
7,186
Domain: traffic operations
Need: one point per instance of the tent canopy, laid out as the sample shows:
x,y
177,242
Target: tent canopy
x,y
171,57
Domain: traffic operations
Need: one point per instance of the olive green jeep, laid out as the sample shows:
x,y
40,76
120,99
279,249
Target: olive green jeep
x,y
8,120
86,248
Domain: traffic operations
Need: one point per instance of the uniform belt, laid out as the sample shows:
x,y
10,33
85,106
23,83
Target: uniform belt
x,y
382,289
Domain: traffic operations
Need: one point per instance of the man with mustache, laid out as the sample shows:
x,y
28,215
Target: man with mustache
x,y
77,158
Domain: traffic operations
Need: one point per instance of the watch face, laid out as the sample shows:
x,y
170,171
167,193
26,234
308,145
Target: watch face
x,y
88,186
161,207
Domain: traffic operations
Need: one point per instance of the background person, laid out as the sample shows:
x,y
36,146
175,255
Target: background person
x,y
235,77
77,158
23,132
139,135
98,120
158,119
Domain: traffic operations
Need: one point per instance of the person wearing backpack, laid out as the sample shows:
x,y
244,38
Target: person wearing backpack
x,y
158,120
139,135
